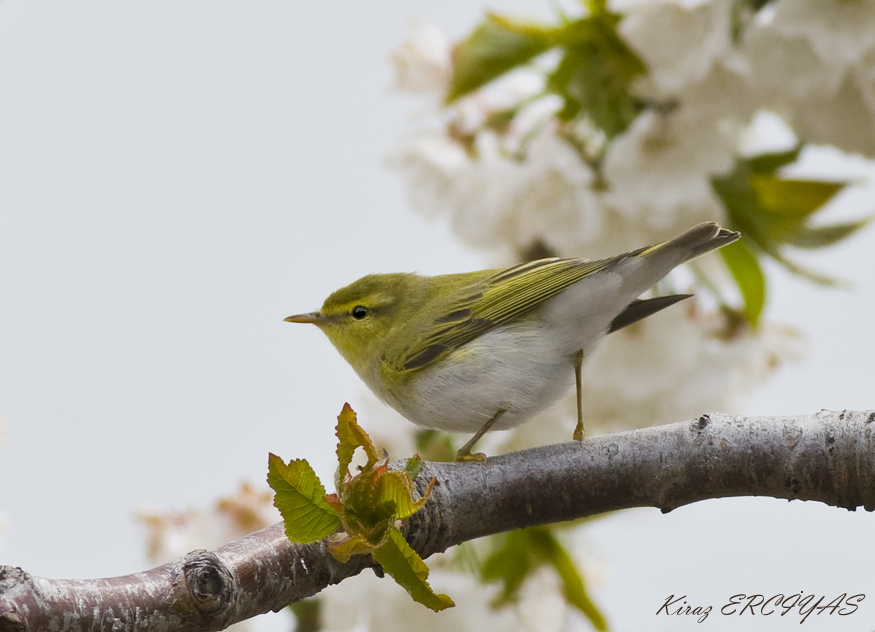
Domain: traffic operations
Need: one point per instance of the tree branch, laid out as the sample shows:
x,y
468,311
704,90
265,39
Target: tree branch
x,y
827,457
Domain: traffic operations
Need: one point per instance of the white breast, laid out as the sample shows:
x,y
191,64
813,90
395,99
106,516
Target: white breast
x,y
520,370
523,367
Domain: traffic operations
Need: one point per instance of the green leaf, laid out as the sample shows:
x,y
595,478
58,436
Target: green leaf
x,y
367,506
396,488
792,198
772,212
519,553
739,199
771,162
768,208
595,73
307,614
823,236
510,563
299,498
350,437
495,47
748,275
572,583
414,466
405,566
434,445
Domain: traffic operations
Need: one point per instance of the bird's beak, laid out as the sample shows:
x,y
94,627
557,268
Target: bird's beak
x,y
313,317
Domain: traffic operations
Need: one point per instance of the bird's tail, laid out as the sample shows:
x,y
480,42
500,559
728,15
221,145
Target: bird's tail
x,y
661,259
696,241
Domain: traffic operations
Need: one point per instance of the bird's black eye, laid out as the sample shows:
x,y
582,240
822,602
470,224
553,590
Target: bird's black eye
x,y
359,312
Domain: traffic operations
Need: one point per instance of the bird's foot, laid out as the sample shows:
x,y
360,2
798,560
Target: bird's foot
x,y
478,457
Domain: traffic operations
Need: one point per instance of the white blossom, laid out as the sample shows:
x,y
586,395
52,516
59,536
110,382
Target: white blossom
x,y
679,364
811,63
171,534
527,185
845,119
422,60
438,171
864,76
680,42
786,70
840,31
663,163
500,202
658,174
546,197
824,101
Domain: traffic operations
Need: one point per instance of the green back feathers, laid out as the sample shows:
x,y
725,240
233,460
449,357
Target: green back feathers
x,y
496,298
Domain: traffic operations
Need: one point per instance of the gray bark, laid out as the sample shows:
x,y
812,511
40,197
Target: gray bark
x,y
827,457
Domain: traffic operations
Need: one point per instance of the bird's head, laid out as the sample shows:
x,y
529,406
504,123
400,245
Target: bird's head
x,y
359,319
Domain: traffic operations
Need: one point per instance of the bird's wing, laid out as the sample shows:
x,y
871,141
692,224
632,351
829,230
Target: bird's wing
x,y
507,294
494,300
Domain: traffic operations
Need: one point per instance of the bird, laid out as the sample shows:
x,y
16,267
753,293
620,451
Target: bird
x,y
488,350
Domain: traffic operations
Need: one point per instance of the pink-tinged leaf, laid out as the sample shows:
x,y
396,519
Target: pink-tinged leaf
x,y
342,546
351,436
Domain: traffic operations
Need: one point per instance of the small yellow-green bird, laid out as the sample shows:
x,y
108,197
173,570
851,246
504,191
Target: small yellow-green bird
x,y
488,350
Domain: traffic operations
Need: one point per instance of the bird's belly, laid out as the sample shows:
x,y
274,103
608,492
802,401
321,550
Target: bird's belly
x,y
520,372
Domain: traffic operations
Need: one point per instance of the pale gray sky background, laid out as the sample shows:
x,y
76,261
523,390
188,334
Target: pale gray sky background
x,y
175,178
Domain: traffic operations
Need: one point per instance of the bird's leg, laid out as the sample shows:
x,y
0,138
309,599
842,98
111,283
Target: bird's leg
x,y
464,453
579,432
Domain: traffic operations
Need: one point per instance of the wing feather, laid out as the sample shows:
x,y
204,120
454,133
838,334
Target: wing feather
x,y
506,294
499,298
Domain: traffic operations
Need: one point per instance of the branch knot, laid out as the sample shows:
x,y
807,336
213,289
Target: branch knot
x,y
210,584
